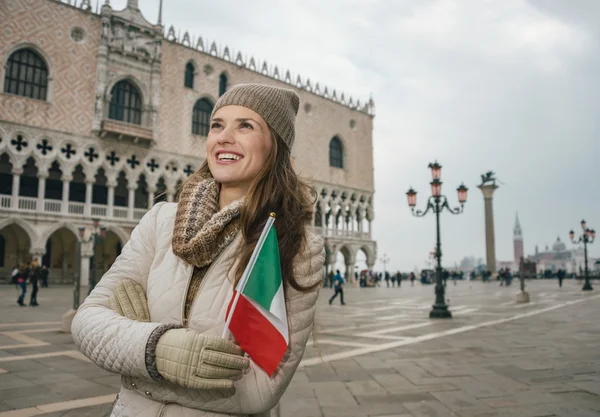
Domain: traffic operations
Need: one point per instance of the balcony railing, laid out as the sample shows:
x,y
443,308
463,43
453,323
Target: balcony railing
x,y
27,203
76,208
120,212
99,210
5,201
139,213
328,232
73,208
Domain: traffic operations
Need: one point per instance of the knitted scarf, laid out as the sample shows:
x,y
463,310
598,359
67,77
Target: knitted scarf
x,y
201,230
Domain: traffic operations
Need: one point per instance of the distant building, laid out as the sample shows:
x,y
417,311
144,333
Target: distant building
x,y
103,114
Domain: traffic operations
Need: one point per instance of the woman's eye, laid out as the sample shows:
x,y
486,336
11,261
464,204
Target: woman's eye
x,y
246,125
215,125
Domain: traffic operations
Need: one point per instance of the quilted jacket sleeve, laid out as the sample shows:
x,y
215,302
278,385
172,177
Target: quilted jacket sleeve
x,y
113,342
256,393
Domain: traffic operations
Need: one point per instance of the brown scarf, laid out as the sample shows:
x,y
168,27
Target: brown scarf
x,y
201,230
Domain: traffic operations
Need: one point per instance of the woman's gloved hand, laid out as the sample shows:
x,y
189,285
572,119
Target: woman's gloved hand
x,y
129,300
195,360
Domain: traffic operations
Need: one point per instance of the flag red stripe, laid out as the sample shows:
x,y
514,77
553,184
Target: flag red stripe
x,y
256,335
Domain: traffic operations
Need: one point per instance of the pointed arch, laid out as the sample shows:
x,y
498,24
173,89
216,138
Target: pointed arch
x,y
23,224
223,83
190,74
201,117
336,152
125,103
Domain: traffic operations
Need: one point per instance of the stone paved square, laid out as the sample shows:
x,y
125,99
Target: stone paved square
x,y
380,355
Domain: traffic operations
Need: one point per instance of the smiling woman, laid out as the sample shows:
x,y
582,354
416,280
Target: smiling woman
x,y
175,277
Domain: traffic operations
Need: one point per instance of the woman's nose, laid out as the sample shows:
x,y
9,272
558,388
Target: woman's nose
x,y
226,136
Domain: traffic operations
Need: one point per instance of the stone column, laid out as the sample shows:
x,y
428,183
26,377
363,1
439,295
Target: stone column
x,y
37,253
323,225
111,198
65,193
130,201
170,193
15,187
490,243
87,211
41,191
151,193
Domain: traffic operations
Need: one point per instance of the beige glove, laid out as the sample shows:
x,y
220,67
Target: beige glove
x,y
129,300
195,360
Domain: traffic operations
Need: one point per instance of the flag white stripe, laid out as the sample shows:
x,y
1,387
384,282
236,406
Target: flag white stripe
x,y
281,326
278,309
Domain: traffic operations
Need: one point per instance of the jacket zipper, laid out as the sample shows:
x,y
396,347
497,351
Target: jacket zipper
x,y
162,410
184,319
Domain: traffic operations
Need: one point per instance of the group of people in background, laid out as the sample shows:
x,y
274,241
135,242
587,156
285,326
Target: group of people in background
x,y
32,274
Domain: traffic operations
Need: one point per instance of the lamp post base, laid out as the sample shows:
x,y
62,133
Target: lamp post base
x,y
522,297
440,311
587,286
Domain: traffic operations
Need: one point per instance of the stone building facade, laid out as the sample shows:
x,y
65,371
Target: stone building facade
x,y
103,113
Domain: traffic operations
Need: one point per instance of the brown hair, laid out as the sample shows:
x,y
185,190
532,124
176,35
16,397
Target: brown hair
x,y
277,188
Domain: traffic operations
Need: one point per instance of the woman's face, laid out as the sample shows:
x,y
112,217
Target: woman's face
x,y
237,147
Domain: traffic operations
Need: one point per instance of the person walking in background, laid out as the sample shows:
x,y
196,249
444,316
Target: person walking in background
x,y
21,279
338,286
412,279
44,276
399,278
560,275
13,276
35,272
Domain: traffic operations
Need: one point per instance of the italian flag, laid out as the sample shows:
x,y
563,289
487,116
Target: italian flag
x,y
259,319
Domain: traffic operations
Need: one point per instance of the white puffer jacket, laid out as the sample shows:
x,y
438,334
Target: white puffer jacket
x,y
118,344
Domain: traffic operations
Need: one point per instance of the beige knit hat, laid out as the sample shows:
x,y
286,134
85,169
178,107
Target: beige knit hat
x,y
278,106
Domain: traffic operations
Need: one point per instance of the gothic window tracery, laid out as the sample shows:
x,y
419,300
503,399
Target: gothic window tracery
x,y
125,103
26,74
201,117
336,153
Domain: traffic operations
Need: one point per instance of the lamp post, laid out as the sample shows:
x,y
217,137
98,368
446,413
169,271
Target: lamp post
x,y
588,236
385,260
97,233
437,203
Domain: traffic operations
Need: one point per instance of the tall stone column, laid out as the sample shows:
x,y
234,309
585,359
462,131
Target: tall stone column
x,y
111,198
130,201
151,194
89,183
490,240
65,193
41,191
15,187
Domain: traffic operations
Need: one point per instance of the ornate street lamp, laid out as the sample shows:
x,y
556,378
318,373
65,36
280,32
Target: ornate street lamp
x,y
587,236
97,233
437,203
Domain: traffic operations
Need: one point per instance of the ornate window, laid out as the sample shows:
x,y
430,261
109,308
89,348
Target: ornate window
x,y
201,117
222,84
125,103
26,74
336,153
189,75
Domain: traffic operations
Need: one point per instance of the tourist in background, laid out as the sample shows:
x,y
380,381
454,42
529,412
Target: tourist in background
x,y
21,279
44,276
35,273
338,286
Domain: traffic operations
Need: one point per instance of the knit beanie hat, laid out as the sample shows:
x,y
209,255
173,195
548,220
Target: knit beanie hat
x,y
277,106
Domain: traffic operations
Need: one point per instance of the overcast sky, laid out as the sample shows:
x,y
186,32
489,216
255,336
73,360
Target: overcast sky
x,y
510,86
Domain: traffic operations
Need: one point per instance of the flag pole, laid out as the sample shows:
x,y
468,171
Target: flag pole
x,y
242,284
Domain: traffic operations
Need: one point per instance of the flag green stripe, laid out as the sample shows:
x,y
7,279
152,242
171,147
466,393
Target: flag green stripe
x,y
265,278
